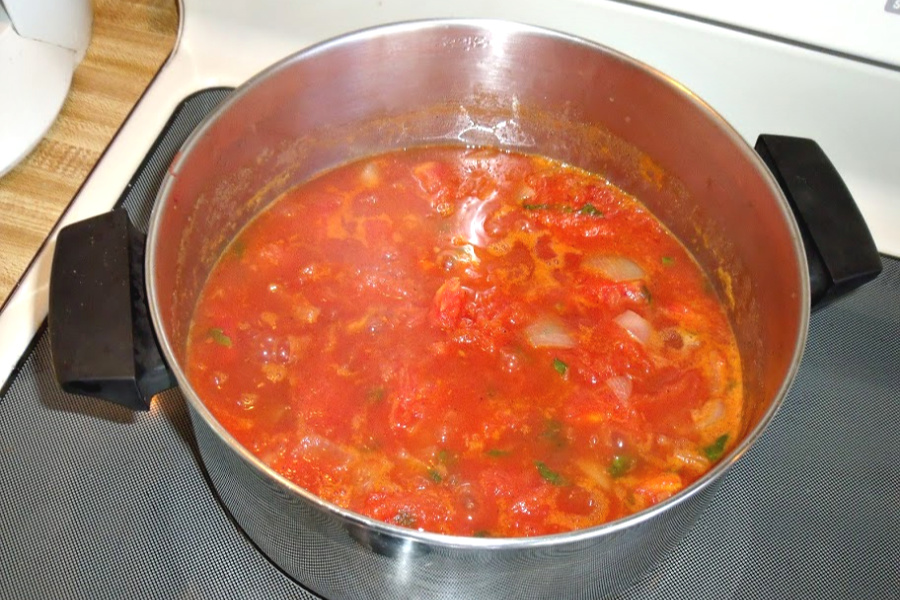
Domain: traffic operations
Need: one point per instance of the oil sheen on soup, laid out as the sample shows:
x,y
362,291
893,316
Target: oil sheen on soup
x,y
468,341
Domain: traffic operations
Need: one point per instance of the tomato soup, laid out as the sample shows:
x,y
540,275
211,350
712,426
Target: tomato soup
x,y
468,341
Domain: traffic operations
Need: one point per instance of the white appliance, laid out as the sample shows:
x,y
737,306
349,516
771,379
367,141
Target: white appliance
x,y
41,43
825,70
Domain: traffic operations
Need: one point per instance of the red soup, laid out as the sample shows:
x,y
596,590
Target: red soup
x,y
470,342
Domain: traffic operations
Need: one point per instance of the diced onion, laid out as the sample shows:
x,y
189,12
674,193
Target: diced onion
x,y
636,325
708,414
685,456
526,192
614,268
621,387
548,333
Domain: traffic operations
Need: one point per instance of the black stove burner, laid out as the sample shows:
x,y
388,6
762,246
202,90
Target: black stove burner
x,y
98,502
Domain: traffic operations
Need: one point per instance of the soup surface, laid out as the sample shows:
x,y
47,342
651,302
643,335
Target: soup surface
x,y
470,342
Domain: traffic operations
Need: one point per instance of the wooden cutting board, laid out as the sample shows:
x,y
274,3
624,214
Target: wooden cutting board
x,y
130,41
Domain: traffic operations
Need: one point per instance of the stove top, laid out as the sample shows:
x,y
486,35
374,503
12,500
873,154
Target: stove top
x,y
98,502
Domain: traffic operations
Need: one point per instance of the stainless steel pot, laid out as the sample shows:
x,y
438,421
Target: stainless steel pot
x,y
470,82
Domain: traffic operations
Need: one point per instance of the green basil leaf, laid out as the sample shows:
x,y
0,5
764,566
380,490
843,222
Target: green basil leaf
x,y
560,367
549,474
620,465
590,210
715,450
219,337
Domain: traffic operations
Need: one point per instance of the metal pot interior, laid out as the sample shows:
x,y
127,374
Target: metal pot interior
x,y
506,85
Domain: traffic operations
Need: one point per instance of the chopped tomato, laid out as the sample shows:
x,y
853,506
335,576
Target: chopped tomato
x,y
428,338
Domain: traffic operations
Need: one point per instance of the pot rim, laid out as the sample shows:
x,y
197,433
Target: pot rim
x,y
493,26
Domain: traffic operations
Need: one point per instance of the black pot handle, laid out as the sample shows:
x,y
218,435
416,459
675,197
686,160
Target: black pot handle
x,y
101,338
840,250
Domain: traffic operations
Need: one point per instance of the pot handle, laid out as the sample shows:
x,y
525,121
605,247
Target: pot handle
x,y
101,338
840,251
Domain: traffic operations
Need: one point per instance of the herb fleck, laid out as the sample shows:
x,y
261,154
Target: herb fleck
x,y
445,457
560,367
590,210
668,261
715,450
376,394
219,337
497,452
435,476
563,208
553,432
620,465
549,474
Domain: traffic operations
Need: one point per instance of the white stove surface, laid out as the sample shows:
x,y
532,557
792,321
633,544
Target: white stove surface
x,y
846,98
867,29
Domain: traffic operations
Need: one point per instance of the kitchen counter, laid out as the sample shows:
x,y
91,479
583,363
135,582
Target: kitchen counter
x,y
130,42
